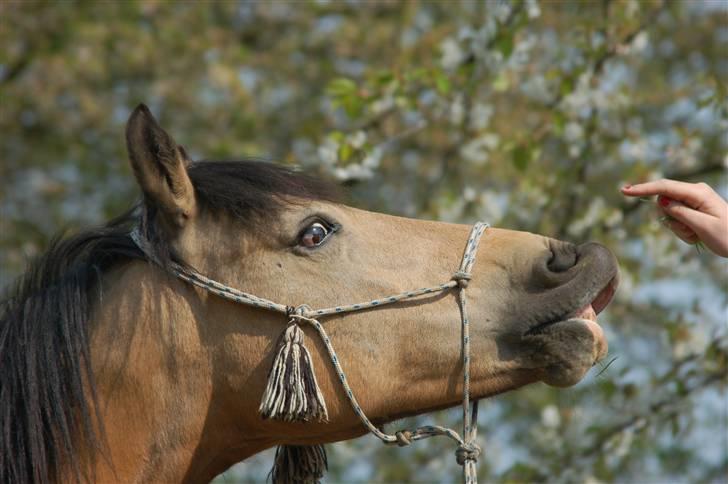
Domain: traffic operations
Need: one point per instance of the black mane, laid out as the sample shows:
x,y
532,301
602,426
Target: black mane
x,y
48,403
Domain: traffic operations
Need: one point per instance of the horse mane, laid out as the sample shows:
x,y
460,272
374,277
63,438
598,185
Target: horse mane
x,y
48,404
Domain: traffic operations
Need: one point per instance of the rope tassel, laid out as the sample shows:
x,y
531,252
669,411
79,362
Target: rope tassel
x,y
292,393
299,464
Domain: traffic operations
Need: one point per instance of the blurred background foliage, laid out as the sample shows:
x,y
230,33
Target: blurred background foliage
x,y
526,114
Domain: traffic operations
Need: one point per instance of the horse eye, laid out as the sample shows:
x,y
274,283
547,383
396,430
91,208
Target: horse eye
x,y
314,235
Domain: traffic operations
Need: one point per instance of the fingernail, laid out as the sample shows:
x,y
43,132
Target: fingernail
x,y
664,201
627,187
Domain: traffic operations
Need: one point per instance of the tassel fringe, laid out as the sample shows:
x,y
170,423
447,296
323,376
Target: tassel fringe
x,y
292,393
299,464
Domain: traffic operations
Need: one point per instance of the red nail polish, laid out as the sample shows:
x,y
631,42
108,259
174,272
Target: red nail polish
x,y
664,201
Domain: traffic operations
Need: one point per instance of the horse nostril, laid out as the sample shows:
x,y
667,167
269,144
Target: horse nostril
x,y
563,257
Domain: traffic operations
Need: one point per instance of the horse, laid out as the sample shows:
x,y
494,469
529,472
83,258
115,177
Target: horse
x,y
115,370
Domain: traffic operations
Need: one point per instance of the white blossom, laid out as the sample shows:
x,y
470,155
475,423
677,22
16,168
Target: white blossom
x,y
625,290
492,206
624,443
469,194
354,171
328,151
589,218
597,39
521,52
457,110
574,150
450,211
476,150
452,54
533,9
693,343
550,416
640,42
502,11
382,104
480,39
573,131
633,8
634,150
357,139
480,115
614,218
362,170
372,159
536,87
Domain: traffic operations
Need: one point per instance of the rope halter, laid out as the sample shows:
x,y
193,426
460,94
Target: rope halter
x,y
292,392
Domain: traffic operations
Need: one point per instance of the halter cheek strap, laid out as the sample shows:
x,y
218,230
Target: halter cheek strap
x,y
292,392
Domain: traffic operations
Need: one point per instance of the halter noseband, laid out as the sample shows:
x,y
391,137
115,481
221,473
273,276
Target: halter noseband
x,y
292,393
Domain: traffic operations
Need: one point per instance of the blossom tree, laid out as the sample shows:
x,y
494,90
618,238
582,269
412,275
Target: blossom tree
x,y
527,114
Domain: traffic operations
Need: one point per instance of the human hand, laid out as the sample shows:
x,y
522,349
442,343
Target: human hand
x,y
696,213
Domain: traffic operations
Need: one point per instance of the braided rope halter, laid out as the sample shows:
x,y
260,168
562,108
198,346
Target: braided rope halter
x,y
292,392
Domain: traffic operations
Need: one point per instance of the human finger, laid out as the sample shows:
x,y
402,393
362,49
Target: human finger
x,y
697,221
682,231
692,194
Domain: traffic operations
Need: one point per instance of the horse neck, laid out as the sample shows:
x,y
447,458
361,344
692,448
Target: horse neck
x,y
154,378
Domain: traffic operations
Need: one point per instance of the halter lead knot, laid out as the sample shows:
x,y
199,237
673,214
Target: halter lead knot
x,y
299,314
462,278
404,438
467,451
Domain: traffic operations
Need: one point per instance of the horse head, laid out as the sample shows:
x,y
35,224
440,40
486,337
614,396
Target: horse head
x,y
180,371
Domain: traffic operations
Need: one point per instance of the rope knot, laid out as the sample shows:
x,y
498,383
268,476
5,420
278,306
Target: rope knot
x,y
297,314
302,309
462,278
467,451
404,437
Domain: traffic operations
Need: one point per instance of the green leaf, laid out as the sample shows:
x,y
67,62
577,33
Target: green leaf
x,y
340,87
337,136
345,151
681,389
567,85
559,122
416,74
501,82
442,83
521,157
353,106
504,44
383,78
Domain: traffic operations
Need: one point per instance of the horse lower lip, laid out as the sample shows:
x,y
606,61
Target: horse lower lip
x,y
587,312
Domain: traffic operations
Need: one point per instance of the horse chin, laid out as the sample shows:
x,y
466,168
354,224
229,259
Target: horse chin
x,y
568,349
565,349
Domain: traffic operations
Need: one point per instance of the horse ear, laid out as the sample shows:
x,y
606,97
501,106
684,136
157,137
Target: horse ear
x,y
160,167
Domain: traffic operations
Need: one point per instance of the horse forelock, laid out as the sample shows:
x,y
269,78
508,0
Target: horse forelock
x,y
253,191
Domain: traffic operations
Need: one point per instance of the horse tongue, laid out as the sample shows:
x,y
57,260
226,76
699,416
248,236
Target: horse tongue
x,y
587,312
590,315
